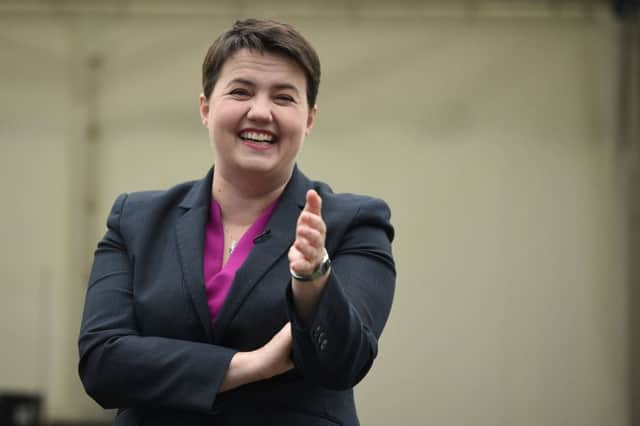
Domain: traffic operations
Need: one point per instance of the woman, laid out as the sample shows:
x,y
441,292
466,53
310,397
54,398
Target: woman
x,y
255,295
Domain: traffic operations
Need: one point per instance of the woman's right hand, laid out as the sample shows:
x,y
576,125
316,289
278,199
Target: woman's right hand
x,y
263,363
274,357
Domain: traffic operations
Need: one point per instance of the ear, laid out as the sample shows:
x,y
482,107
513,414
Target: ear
x,y
311,118
204,110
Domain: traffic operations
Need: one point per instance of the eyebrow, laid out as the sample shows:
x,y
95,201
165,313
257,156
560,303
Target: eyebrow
x,y
278,86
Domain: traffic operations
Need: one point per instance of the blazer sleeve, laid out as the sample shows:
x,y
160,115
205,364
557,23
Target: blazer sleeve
x,y
337,347
121,368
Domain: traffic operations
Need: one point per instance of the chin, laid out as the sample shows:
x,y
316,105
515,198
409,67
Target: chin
x,y
259,167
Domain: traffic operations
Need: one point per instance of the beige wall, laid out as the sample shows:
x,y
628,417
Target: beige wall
x,y
488,130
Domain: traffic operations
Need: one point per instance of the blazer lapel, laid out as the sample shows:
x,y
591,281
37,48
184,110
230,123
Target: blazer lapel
x,y
190,230
281,228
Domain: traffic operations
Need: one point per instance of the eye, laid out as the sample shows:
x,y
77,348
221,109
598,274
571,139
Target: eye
x,y
284,99
239,93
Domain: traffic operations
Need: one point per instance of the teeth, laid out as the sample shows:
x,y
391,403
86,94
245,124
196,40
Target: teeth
x,y
256,136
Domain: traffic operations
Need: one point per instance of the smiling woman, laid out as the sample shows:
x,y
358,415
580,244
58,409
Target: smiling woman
x,y
252,296
257,116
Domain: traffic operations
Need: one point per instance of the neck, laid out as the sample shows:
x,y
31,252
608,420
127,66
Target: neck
x,y
241,201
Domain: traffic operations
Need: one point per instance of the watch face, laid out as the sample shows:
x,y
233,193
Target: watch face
x,y
322,267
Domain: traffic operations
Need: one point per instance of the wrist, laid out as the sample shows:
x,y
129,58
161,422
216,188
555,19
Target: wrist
x,y
242,370
261,368
320,271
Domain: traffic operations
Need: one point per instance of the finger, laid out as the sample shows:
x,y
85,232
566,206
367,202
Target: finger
x,y
298,262
313,220
295,255
285,330
310,253
314,202
313,236
302,267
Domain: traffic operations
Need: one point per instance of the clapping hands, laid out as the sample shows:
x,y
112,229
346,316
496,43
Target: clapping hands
x,y
308,249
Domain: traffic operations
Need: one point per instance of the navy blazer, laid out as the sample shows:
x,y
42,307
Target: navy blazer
x,y
147,344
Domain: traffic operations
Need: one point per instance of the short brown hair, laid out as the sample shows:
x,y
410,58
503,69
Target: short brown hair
x,y
262,36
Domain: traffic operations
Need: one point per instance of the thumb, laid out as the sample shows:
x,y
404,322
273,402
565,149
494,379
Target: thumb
x,y
314,202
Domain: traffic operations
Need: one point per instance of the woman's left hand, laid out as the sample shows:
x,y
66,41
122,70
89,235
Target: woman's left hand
x,y
307,251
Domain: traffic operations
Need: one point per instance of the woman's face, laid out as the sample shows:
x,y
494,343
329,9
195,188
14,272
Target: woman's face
x,y
257,115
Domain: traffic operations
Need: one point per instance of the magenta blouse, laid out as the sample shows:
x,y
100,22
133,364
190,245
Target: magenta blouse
x,y
218,279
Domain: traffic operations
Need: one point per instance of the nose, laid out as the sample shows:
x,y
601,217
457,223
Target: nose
x,y
260,110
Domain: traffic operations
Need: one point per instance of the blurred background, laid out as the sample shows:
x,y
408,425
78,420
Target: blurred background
x,y
505,135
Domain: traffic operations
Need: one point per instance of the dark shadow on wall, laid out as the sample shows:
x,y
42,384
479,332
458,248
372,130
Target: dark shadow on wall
x,y
634,295
629,138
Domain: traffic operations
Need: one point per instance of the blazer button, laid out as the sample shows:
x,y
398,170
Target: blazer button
x,y
323,345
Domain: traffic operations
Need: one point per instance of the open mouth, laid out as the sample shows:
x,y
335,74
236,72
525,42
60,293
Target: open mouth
x,y
258,137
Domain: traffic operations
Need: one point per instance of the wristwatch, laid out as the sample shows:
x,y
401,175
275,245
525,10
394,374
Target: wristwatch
x,y
320,270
